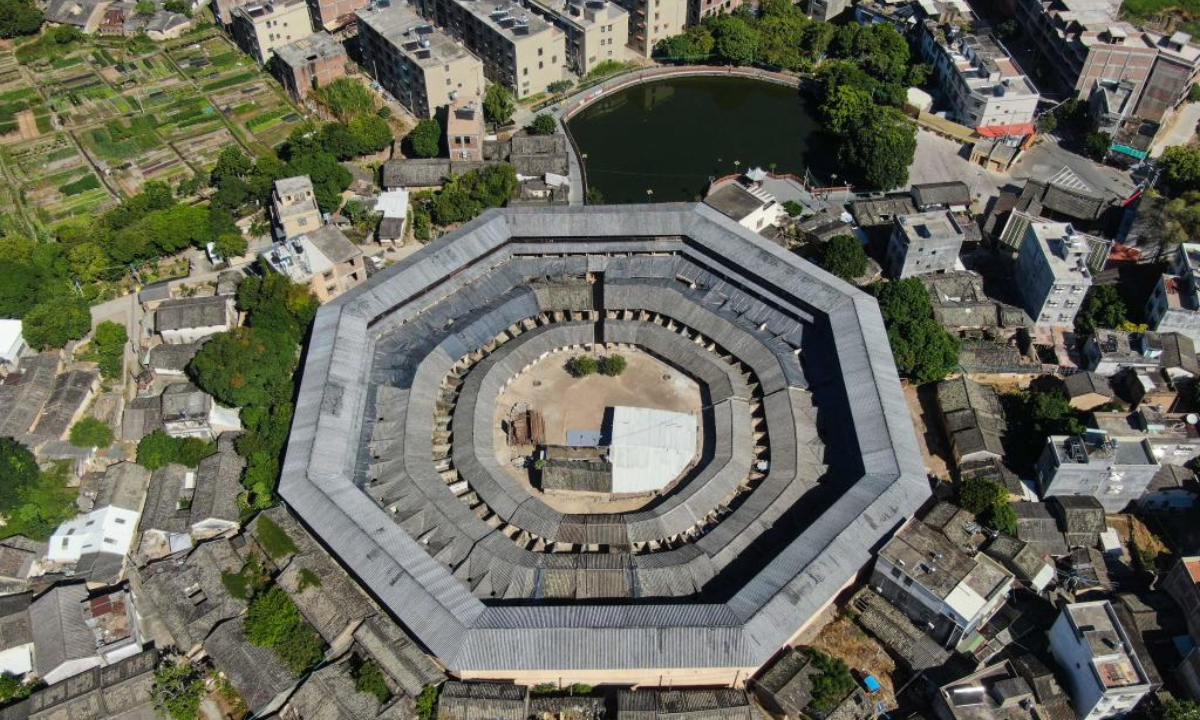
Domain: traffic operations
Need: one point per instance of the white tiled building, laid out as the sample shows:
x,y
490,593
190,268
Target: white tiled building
x,y
1052,273
1106,676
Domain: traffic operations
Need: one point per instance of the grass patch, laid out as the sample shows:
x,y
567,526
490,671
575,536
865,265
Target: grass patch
x,y
274,539
118,141
267,120
230,81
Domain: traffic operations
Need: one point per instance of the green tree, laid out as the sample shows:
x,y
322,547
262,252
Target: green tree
x,y
145,8
793,208
156,450
832,684
231,162
1102,308
1002,518
735,41
580,366
543,124
1050,413
694,45
883,149
1180,710
498,104
1180,166
108,348
612,365
368,678
19,17
1096,144
178,6
230,245
977,495
12,687
43,506
846,109
425,140
177,689
273,621
54,323
245,366
426,703
844,256
275,304
923,350
91,432
371,133
19,469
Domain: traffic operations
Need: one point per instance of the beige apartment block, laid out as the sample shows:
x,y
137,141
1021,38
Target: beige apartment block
x,y
295,206
519,50
653,20
323,259
418,64
260,27
464,129
595,30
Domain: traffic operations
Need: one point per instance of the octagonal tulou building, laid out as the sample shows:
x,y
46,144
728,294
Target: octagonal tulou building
x,y
807,462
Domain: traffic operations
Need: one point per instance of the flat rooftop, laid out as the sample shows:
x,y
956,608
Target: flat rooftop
x,y
318,46
1085,450
934,225
582,13
1065,250
414,36
508,19
1104,637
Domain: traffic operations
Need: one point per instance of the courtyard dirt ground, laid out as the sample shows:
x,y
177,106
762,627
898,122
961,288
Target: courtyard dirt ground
x,y
922,406
845,639
568,403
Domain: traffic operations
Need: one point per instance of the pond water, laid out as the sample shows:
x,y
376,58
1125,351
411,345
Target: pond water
x,y
673,136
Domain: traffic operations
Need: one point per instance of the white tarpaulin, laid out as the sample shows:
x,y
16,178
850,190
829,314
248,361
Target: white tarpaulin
x,y
650,448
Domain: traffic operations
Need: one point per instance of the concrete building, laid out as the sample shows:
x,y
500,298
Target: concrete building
x,y
1051,272
334,15
1105,674
393,206
1174,306
1114,472
1183,585
698,10
519,50
1108,352
746,203
311,62
595,30
1172,438
260,27
323,259
826,10
415,62
1084,42
924,243
465,129
187,320
12,342
653,20
978,81
294,206
949,593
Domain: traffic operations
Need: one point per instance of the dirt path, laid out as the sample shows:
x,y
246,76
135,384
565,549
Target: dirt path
x,y
27,124
922,406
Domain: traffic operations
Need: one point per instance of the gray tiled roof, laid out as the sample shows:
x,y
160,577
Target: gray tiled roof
x,y
197,312
255,672
382,349
59,631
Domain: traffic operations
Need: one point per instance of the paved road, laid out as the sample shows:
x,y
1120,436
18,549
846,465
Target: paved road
x,y
1050,160
1181,127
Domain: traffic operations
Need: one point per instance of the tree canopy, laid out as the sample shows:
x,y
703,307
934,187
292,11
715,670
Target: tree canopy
x,y
54,323
273,621
498,104
425,140
19,469
108,348
923,350
19,17
158,450
246,366
469,194
543,124
1102,308
177,689
91,432
1180,166
844,256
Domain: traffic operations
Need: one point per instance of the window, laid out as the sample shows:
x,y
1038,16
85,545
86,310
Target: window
x,y
525,71
540,51
540,65
119,521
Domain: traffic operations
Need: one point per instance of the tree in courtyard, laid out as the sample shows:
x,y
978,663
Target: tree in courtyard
x,y
426,703
734,40
246,366
832,683
1181,167
19,469
108,348
230,245
498,105
843,256
1002,518
612,365
923,350
425,140
368,678
56,322
1102,308
581,366
1096,144
543,124
91,432
977,495
156,450
177,689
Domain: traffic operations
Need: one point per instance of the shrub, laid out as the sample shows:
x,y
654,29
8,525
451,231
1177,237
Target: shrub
x,y
274,539
273,621
832,684
368,678
612,365
498,105
177,690
108,348
581,366
91,432
543,124
13,687
426,702
793,208
158,450
19,468
425,140
346,98
977,495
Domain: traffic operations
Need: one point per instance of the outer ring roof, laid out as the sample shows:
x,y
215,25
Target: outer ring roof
x,y
471,636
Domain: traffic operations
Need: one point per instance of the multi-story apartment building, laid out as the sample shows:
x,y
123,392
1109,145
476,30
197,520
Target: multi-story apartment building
x,y
595,30
260,27
465,129
295,207
924,243
979,82
1174,306
324,259
926,575
1115,472
334,14
1183,585
653,20
1082,42
826,10
310,62
1052,273
700,9
1106,676
421,66
519,49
